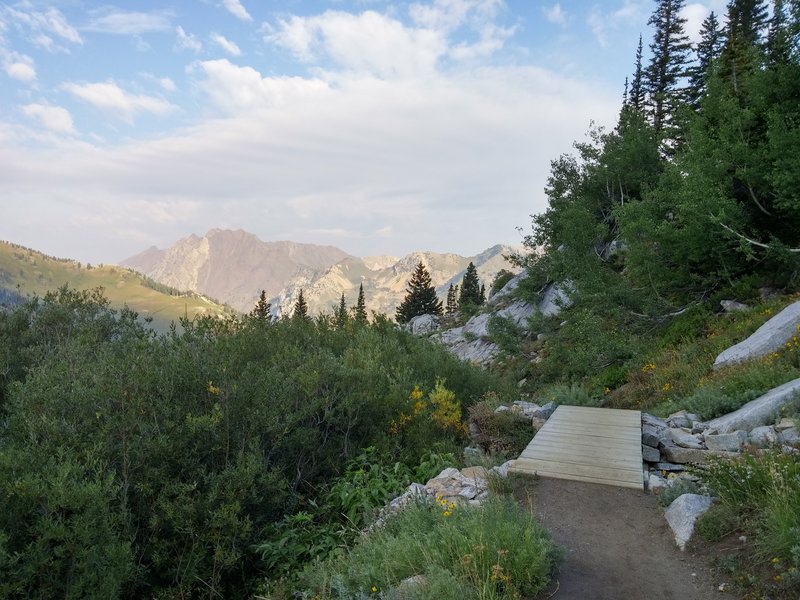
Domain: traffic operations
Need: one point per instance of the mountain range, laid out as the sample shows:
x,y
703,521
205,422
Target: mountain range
x,y
235,266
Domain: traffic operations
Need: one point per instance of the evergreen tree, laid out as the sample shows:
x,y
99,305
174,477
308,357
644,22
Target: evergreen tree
x,y
470,288
300,308
483,294
741,55
420,297
778,46
263,309
340,314
706,51
636,95
451,307
361,306
670,53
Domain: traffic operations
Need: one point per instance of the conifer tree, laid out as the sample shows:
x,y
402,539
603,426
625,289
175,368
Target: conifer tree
x,y
706,51
470,288
451,307
361,306
636,95
263,309
670,51
300,308
420,297
483,294
340,315
741,53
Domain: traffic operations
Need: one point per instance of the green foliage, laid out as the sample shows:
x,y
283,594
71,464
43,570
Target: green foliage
x,y
571,394
420,297
764,492
495,551
470,289
506,334
300,311
500,280
361,307
137,464
677,488
499,434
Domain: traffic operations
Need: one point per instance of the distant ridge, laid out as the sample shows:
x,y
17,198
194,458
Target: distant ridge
x,y
234,266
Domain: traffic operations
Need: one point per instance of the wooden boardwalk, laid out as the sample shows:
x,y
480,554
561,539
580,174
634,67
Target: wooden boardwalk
x,y
598,445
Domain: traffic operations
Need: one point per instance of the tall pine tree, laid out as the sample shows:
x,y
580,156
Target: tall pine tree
x,y
451,306
300,308
470,288
340,315
263,309
670,54
361,306
706,52
636,94
420,297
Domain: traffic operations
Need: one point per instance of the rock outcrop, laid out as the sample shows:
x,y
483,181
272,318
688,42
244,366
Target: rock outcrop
x,y
771,336
761,411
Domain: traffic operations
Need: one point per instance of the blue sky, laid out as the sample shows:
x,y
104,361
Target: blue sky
x,y
378,127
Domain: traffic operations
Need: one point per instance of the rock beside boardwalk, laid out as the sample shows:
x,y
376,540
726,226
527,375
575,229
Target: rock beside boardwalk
x,y
683,513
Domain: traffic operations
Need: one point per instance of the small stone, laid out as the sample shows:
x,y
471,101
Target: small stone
x,y
680,419
545,411
502,470
656,484
501,408
785,423
475,472
652,435
789,436
723,587
684,439
521,383
670,467
743,539
729,442
764,436
650,454
538,424
732,306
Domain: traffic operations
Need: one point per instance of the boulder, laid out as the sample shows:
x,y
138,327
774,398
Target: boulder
x,y
502,470
670,467
526,408
790,436
764,437
771,336
727,442
475,473
684,439
761,411
653,435
682,419
423,324
410,587
683,513
784,423
453,485
544,412
648,419
537,423
650,454
732,306
676,454
554,298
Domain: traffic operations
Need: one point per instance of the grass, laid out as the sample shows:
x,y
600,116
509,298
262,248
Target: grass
x,y
34,273
760,493
497,551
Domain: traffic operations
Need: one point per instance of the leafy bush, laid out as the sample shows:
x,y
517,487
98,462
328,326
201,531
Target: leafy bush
x,y
495,551
568,393
189,463
500,433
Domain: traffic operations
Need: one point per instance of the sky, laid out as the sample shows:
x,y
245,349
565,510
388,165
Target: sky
x,y
378,127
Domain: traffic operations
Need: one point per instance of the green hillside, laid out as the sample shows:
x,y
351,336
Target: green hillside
x,y
30,273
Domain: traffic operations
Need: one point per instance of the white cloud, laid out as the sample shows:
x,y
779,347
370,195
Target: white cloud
x,y
18,66
603,23
167,84
694,15
555,14
369,42
237,89
51,21
226,44
110,97
492,39
237,10
119,22
449,15
187,41
54,118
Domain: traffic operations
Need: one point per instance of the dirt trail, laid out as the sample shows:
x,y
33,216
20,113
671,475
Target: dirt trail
x,y
618,546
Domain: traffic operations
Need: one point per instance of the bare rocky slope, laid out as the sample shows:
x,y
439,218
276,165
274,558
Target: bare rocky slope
x,y
234,266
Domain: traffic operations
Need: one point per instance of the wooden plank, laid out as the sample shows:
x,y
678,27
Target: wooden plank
x,y
626,484
587,444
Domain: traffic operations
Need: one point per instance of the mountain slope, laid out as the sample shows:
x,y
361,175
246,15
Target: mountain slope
x,y
385,278
233,266
29,272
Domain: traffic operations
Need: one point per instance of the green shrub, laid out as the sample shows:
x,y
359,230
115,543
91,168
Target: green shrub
x,y
720,520
677,488
572,394
500,434
495,551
